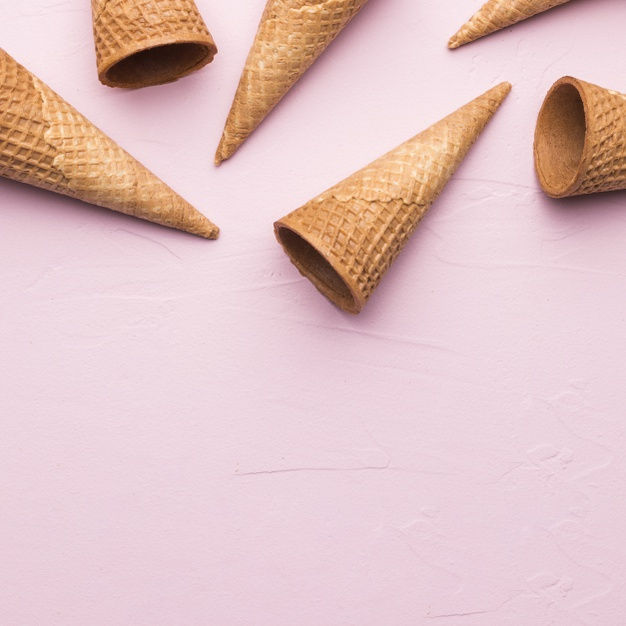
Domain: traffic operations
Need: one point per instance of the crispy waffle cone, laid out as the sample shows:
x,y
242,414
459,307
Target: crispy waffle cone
x,y
149,42
291,36
45,142
345,239
580,139
497,14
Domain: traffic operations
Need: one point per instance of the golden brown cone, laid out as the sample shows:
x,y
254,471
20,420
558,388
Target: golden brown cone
x,y
345,239
291,36
580,139
45,142
142,42
497,14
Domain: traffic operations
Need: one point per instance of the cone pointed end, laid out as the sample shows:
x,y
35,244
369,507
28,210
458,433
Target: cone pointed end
x,y
169,209
501,91
493,98
198,224
225,150
455,42
478,112
195,224
211,232
461,38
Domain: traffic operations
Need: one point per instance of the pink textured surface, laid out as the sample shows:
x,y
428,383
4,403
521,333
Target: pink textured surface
x,y
192,435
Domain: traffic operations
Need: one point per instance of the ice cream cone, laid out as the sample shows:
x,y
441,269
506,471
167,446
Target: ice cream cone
x,y
345,239
149,42
580,139
291,36
497,14
45,142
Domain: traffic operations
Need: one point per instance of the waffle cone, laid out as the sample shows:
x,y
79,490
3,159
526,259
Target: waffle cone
x,y
345,239
143,42
580,139
45,142
291,36
497,14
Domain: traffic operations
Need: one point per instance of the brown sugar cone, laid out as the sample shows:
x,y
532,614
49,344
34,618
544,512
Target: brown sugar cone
x,y
497,14
149,42
345,239
580,139
45,142
291,36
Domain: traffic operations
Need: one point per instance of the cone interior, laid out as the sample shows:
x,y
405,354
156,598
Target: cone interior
x,y
560,139
317,269
157,65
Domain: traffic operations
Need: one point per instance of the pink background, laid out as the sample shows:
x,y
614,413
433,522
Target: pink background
x,y
192,435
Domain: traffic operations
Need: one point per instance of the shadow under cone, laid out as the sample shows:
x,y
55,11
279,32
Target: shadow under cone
x,y
45,142
580,139
291,36
142,42
497,14
345,239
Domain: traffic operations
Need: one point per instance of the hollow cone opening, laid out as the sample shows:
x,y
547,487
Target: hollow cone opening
x,y
158,65
560,139
317,269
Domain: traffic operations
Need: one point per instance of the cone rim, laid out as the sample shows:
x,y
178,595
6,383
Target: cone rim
x,y
180,56
554,130
329,279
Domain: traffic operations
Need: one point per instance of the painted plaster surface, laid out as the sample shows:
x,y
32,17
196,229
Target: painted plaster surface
x,y
191,435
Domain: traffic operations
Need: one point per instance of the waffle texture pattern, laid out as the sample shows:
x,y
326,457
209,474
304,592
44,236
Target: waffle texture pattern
x,y
605,140
126,27
497,14
291,36
45,142
360,225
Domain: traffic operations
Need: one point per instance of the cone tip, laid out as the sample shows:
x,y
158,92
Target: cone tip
x,y
454,42
500,91
224,151
213,232
195,223
505,87
199,225
461,37
219,155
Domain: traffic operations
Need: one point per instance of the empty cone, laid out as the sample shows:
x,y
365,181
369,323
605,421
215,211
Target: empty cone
x,y
147,42
345,239
497,14
580,139
291,36
45,142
